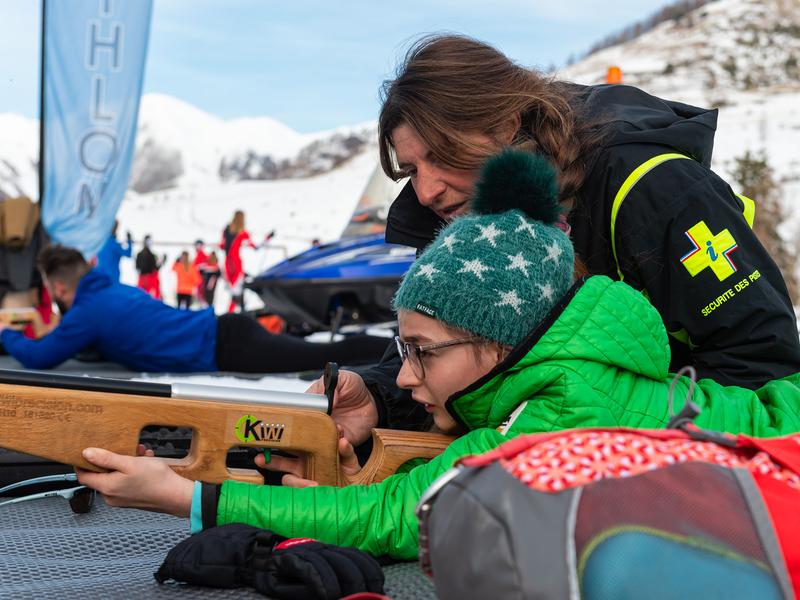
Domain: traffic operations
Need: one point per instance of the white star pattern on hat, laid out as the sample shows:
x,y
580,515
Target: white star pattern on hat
x,y
475,266
547,290
525,225
518,261
427,271
511,299
451,240
554,251
489,233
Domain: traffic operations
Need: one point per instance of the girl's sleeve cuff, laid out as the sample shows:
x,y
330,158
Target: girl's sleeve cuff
x,y
196,513
203,514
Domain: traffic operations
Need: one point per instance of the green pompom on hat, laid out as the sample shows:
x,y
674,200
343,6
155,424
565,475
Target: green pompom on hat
x,y
499,270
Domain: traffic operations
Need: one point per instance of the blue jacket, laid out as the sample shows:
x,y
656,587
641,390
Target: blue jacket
x,y
125,325
109,255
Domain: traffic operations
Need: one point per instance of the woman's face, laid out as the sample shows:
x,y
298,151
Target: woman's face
x,y
447,370
446,191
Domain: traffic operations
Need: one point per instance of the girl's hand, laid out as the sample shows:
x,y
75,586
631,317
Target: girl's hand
x,y
137,482
354,409
293,467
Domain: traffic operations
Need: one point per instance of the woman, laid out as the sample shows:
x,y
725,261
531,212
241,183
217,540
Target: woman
x,y
495,341
232,239
680,235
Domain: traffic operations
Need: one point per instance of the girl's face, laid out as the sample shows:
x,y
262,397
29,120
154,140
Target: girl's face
x,y
446,191
447,370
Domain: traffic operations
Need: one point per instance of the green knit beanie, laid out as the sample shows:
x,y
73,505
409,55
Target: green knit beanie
x,y
497,271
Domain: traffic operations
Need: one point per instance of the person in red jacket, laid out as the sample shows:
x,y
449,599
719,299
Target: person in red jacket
x,y
232,239
199,262
148,264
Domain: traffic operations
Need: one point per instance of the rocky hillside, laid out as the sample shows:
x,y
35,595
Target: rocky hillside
x,y
741,56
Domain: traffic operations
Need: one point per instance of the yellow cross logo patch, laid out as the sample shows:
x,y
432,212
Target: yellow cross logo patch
x,y
710,251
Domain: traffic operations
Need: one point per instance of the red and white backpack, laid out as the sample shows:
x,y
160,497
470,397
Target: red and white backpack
x,y
618,513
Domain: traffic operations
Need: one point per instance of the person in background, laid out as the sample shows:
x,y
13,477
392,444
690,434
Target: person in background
x,y
200,259
188,280
112,251
124,325
148,264
209,273
233,237
200,256
45,319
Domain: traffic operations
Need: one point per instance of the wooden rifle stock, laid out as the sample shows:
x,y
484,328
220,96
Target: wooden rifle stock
x,y
57,424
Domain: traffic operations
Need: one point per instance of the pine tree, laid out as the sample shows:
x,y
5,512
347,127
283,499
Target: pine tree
x,y
756,180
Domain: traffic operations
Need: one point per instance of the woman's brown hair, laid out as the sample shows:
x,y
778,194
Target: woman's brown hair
x,y
237,224
452,85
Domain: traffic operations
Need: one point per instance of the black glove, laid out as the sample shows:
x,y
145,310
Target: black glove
x,y
307,569
238,555
216,557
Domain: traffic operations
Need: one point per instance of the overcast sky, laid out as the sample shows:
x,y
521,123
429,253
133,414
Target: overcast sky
x,y
313,64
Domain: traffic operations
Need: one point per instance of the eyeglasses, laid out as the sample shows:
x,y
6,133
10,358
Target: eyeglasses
x,y
413,353
80,498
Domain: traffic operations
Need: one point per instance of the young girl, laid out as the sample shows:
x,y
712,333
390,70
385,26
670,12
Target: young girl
x,y
496,341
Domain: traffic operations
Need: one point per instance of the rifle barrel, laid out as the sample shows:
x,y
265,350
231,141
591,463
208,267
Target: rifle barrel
x,y
179,390
246,395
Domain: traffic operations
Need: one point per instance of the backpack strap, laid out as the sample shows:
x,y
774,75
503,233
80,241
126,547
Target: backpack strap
x,y
749,207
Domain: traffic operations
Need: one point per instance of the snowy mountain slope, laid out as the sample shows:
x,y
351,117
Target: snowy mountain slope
x,y
177,144
711,54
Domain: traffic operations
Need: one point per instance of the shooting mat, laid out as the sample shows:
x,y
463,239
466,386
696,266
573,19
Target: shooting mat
x,y
46,551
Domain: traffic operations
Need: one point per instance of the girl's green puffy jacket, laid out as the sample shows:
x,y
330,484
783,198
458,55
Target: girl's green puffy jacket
x,y
599,360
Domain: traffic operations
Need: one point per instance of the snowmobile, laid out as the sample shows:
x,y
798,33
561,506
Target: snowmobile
x,y
350,281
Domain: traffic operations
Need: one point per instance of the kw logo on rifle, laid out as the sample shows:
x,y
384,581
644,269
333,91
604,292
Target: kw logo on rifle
x,y
251,429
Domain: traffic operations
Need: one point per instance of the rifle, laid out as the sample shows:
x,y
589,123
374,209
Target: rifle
x,y
56,416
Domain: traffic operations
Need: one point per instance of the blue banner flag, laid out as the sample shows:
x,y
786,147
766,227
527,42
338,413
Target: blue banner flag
x,y
93,66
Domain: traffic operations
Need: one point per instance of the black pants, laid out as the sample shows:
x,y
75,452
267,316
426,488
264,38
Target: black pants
x,y
184,301
243,345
